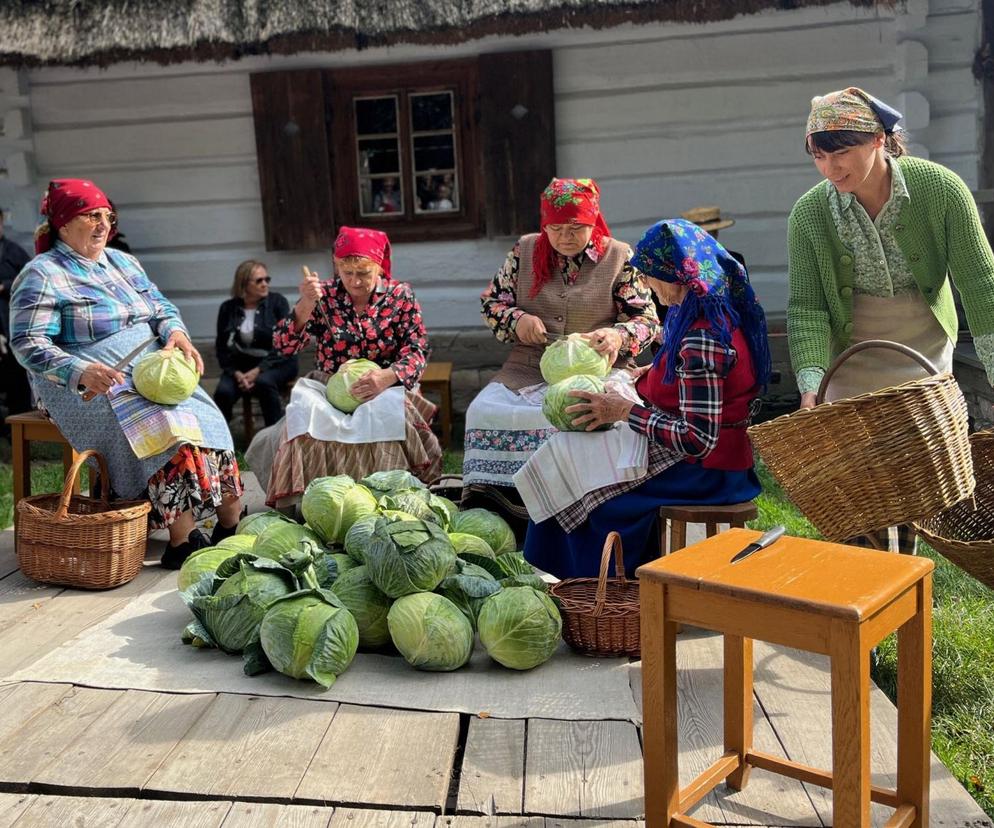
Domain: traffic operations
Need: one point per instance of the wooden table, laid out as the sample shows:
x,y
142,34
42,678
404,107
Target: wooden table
x,y
437,376
821,597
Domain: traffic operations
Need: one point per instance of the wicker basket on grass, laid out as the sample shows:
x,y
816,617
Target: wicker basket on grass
x,y
892,456
79,541
965,533
601,615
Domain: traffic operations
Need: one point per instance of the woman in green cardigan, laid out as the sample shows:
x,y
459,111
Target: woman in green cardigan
x,y
871,251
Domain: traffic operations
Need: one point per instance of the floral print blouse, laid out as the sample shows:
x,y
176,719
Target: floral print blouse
x,y
389,332
632,299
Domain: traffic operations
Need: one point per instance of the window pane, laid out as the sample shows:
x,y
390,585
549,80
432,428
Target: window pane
x,y
380,195
434,152
379,155
431,112
437,193
375,116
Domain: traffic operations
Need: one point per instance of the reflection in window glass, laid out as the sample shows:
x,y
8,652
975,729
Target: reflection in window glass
x,y
433,151
378,156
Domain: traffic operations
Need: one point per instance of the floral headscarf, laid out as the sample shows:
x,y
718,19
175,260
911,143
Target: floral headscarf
x,y
361,241
65,199
567,201
676,250
853,110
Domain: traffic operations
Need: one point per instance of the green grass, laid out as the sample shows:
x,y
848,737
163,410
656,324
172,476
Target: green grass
x,y
963,632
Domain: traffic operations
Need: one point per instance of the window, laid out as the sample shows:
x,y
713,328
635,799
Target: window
x,y
424,151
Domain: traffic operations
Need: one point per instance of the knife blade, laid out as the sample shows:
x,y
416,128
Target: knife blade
x,y
120,365
765,540
554,337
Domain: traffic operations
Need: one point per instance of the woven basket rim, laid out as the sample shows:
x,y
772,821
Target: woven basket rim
x,y
123,509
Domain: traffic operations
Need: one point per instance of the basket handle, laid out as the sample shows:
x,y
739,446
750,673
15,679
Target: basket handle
x,y
612,541
73,473
862,346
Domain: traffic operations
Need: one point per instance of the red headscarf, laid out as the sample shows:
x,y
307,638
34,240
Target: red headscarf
x,y
567,201
65,199
361,241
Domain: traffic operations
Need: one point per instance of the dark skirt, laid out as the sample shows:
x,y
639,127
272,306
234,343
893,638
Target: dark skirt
x,y
633,516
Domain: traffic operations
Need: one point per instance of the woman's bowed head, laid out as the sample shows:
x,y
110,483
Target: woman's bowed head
x,y
700,282
76,212
361,260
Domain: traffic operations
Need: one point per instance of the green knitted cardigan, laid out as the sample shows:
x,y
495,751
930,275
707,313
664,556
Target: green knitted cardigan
x,y
939,232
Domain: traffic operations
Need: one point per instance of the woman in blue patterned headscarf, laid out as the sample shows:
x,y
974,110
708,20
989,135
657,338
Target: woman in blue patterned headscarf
x,y
698,398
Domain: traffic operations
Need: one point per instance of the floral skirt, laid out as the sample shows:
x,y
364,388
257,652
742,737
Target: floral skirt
x,y
194,478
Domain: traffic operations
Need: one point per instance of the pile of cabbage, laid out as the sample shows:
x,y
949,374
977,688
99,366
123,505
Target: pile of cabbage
x,y
570,364
379,564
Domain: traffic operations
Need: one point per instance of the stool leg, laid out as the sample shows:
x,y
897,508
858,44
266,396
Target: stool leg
x,y
710,530
662,535
678,535
447,414
850,726
659,707
21,457
738,705
914,704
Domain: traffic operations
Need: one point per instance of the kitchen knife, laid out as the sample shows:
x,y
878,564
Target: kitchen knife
x,y
118,366
768,537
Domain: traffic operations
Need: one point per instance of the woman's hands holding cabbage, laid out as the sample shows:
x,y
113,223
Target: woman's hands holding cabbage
x,y
595,410
606,341
178,339
372,383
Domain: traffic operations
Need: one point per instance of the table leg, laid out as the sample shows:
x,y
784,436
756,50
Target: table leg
x,y
659,707
850,726
738,705
914,705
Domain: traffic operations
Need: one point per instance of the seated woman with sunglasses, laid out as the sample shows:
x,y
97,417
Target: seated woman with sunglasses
x,y
249,362
571,277
78,309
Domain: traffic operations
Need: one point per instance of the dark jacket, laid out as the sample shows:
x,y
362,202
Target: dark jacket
x,y
12,260
231,355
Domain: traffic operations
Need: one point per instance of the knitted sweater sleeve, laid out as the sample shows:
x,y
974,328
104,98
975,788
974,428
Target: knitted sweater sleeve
x,y
970,261
808,326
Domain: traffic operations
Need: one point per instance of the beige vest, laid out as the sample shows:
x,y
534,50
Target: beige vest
x,y
584,306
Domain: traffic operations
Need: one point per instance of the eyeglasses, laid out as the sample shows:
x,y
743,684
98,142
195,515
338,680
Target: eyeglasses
x,y
98,216
263,280
574,231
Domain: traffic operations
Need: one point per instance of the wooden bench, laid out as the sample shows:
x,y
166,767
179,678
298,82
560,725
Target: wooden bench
x,y
437,377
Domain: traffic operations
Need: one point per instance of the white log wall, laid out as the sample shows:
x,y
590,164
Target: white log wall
x,y
664,116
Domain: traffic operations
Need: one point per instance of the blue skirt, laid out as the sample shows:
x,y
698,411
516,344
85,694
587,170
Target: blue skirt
x,y
633,516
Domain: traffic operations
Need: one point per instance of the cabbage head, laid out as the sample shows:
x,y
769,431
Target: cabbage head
x,y
309,634
487,525
430,632
237,543
394,480
332,504
557,400
279,537
520,627
568,357
166,377
254,524
418,502
337,391
463,543
200,563
368,605
468,588
408,556
450,507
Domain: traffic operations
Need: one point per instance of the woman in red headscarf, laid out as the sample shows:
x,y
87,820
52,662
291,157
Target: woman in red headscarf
x,y
78,310
571,277
362,313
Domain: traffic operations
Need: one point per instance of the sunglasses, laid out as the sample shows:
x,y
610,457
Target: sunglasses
x,y
263,280
98,216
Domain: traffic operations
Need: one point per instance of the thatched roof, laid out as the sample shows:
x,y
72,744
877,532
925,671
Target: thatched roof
x,y
88,32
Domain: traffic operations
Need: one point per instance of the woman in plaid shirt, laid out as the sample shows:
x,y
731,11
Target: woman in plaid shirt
x,y
699,395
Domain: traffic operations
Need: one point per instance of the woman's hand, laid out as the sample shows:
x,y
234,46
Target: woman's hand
x,y
246,380
606,341
98,378
598,409
808,399
529,329
178,339
310,294
372,383
638,371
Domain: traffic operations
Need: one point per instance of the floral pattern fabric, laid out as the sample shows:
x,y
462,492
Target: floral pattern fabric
x,y
389,332
194,479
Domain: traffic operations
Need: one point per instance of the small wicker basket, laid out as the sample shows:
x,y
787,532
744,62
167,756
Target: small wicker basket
x,y
965,533
601,615
892,456
80,541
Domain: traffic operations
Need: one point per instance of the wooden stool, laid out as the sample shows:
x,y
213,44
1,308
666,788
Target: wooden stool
x,y
437,376
734,514
248,418
34,427
815,596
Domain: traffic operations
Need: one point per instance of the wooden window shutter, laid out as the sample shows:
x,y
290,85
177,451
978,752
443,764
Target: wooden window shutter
x,y
517,122
291,139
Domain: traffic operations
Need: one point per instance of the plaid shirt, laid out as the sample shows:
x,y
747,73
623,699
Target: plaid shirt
x,y
64,299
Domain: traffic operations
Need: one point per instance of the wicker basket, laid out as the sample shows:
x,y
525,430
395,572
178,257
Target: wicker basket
x,y
81,541
965,533
601,615
892,456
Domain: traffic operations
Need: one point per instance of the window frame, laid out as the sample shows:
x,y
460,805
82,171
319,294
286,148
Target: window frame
x,y
460,77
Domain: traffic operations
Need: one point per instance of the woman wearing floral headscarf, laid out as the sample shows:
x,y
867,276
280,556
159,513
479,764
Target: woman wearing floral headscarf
x,y
872,249
571,277
698,396
362,313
